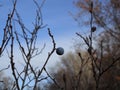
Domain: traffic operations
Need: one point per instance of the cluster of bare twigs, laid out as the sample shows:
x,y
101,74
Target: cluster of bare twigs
x,y
29,74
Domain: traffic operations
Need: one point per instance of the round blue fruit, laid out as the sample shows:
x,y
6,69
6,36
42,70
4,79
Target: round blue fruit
x,y
60,51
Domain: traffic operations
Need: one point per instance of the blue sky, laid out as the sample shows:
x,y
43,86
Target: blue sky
x,y
55,15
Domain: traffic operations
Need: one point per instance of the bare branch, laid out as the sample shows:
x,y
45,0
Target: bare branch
x,y
5,68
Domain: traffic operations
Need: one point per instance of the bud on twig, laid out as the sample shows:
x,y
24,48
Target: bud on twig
x,y
93,29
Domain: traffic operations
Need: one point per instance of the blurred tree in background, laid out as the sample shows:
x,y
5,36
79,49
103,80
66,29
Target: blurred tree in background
x,y
99,67
5,82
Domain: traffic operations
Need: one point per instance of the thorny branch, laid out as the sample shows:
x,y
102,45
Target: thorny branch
x,y
49,53
7,29
48,57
